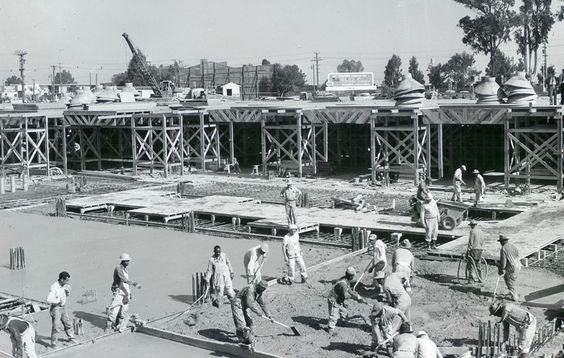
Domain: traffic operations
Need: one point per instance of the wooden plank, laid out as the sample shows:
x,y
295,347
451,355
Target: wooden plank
x,y
217,346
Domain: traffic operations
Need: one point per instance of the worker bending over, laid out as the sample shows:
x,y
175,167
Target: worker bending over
x,y
404,345
396,288
221,273
522,320
336,299
253,261
386,321
249,298
292,253
21,334
426,348
402,259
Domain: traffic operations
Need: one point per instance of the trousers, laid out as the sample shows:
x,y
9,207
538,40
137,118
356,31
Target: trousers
x,y
510,279
117,312
290,207
59,317
336,311
292,267
471,267
431,229
457,192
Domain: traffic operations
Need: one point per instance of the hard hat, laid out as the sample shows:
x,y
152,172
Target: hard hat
x,y
372,237
3,321
350,271
125,257
405,244
263,284
379,274
377,307
264,247
421,334
463,167
429,196
476,171
293,227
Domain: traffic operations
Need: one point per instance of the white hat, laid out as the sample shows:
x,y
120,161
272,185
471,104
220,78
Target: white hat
x,y
476,171
264,247
125,257
350,271
463,167
421,333
293,227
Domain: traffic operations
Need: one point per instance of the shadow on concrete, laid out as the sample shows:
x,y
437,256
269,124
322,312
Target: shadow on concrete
x,y
44,341
440,278
312,322
93,319
477,290
188,299
219,335
357,349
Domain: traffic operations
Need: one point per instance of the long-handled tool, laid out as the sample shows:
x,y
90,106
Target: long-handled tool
x,y
294,330
363,272
189,307
496,285
378,266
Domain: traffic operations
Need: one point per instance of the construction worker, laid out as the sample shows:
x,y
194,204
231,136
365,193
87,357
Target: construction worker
x,y
290,194
292,253
430,216
551,84
249,298
474,251
21,334
386,321
117,311
457,181
378,256
422,191
402,259
509,265
336,299
561,86
396,289
479,187
426,348
253,261
521,319
404,345
221,274
57,298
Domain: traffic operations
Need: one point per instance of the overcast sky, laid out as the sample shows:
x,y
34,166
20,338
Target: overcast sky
x,y
84,36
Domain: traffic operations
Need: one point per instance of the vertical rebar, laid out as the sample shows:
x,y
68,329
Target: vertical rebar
x,y
480,339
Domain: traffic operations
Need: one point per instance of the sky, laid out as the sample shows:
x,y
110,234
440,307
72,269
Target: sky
x,y
84,36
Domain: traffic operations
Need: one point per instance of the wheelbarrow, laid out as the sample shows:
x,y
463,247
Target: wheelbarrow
x,y
452,213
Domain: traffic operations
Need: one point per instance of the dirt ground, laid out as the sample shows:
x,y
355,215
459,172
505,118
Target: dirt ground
x,y
447,310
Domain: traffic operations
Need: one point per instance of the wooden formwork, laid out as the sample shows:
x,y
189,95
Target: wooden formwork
x,y
202,139
24,142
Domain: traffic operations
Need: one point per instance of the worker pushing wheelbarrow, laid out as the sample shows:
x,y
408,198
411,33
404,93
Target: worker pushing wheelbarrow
x,y
451,213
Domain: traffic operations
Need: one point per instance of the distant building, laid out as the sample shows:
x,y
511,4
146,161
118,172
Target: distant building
x,y
231,90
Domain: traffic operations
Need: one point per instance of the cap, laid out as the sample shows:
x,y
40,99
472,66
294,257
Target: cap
x,y
264,247
377,307
125,257
421,334
473,222
3,321
372,237
463,167
503,238
350,271
476,171
263,284
293,227
405,244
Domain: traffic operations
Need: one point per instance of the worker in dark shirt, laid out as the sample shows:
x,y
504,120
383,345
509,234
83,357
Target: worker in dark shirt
x,y
249,298
474,251
337,296
509,265
21,334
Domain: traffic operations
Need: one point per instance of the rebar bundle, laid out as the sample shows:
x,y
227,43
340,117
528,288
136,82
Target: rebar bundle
x,y
17,258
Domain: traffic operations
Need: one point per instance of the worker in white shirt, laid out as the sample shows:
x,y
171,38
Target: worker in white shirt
x,y
426,348
117,311
479,186
457,182
21,334
57,298
293,254
253,261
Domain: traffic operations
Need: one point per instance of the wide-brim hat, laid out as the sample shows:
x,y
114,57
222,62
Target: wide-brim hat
x,y
264,247
421,334
503,238
405,244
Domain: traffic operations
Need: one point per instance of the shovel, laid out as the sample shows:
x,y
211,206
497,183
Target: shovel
x,y
496,284
294,330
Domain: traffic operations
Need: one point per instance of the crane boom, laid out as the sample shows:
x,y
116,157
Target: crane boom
x,y
149,79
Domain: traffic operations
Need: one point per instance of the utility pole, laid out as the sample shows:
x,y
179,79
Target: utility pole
x,y
203,74
313,78
545,72
316,60
21,54
53,80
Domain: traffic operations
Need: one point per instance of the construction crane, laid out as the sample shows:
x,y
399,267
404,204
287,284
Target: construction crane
x,y
149,79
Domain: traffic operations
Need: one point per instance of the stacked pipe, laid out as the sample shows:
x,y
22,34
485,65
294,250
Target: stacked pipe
x,y
359,238
17,258
89,296
409,92
198,287
487,91
77,326
519,90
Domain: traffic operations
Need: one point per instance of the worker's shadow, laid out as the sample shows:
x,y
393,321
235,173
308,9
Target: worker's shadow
x,y
462,342
44,341
476,290
357,349
93,319
183,298
218,335
313,322
440,278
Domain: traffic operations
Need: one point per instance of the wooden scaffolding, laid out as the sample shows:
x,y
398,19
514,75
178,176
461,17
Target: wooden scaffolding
x,y
533,144
24,143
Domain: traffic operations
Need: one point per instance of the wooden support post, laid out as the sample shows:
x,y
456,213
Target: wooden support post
x,y
165,142
440,151
326,141
506,152
300,144
181,143
263,143
133,146
428,137
82,148
373,147
2,185
47,159
13,183
415,120
99,147
560,154
313,148
231,144
202,141
27,139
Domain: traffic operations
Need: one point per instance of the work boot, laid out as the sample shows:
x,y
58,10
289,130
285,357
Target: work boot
x,y
433,245
304,279
73,340
332,332
429,246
